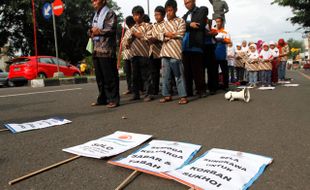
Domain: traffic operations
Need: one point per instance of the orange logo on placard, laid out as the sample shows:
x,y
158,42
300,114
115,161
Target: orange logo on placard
x,y
125,137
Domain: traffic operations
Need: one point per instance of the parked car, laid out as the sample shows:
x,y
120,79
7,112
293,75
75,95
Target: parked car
x,y
25,68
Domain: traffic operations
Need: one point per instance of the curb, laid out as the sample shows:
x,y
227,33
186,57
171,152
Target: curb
x,y
39,83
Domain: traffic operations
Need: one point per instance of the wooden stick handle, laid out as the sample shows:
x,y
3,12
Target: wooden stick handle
x,y
128,180
2,130
43,170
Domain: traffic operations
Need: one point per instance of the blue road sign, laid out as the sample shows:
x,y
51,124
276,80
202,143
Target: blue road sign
x,y
47,10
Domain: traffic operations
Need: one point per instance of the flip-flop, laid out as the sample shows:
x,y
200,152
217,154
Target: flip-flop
x,y
165,99
183,101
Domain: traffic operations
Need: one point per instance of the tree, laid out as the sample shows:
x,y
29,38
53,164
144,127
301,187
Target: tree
x,y
16,26
300,10
296,47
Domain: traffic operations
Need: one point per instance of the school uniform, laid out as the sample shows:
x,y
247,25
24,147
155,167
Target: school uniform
x,y
240,60
231,53
265,67
127,56
155,59
171,54
140,53
252,66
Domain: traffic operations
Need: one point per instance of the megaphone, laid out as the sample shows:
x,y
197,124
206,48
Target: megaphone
x,y
242,95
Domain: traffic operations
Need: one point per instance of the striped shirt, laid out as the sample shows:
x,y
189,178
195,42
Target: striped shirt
x,y
126,51
284,50
240,59
253,61
154,32
139,46
266,57
172,47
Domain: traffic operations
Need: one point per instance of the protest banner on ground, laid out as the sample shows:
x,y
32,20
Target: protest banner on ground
x,y
17,128
220,169
110,145
159,156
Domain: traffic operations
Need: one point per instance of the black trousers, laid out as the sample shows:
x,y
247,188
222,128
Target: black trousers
x,y
128,71
154,76
224,67
194,69
212,67
140,74
107,80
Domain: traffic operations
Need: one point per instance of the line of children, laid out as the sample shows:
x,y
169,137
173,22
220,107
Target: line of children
x,y
147,47
257,63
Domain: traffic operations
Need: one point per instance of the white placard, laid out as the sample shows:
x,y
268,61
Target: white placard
x,y
243,87
159,156
266,88
110,145
284,82
17,128
220,169
290,85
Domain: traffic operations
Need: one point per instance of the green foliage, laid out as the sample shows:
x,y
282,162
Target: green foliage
x,y
300,10
294,45
16,26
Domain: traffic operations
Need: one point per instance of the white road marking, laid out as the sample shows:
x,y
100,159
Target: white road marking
x,y
43,92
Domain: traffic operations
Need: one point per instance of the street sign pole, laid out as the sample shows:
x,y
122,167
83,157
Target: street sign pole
x,y
55,39
35,35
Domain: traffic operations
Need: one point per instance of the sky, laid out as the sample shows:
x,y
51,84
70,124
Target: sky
x,y
249,20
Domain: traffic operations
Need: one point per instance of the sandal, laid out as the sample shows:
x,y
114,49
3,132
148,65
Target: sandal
x,y
183,101
166,99
112,105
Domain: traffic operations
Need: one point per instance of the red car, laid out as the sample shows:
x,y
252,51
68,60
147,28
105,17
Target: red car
x,y
25,68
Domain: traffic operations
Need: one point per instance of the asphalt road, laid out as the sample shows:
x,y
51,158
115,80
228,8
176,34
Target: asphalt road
x,y
275,123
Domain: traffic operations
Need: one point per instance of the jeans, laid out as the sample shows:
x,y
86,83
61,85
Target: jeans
x,y
252,77
282,70
266,77
176,67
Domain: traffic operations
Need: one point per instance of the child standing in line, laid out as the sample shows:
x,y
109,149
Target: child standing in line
x,y
231,55
140,51
275,62
154,54
265,65
127,55
252,65
172,35
240,63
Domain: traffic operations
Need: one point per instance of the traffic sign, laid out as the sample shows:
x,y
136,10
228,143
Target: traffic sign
x,y
58,7
47,11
